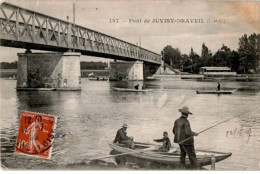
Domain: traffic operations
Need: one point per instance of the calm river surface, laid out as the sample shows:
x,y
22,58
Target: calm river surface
x,y
89,119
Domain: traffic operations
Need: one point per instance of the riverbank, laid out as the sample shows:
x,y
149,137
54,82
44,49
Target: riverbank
x,y
199,77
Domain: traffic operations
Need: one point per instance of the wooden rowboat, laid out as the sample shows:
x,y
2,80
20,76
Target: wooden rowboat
x,y
171,158
131,90
35,89
216,92
98,79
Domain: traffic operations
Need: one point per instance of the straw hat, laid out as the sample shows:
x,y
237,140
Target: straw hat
x,y
124,125
185,109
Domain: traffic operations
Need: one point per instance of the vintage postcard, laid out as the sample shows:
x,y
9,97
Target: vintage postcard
x,y
130,85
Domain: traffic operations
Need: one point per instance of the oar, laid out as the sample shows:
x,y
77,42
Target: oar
x,y
126,153
217,125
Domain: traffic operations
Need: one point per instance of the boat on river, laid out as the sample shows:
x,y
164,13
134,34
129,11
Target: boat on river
x,y
131,90
155,157
36,89
216,92
98,79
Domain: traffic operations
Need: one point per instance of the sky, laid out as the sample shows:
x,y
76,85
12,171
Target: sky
x,y
236,19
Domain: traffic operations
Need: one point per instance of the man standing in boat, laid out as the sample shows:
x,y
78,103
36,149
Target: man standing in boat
x,y
218,86
182,131
122,138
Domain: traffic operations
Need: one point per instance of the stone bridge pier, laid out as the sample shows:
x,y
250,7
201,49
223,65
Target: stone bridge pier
x,y
43,71
134,70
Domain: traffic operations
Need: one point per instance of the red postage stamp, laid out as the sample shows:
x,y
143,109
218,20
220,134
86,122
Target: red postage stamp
x,y
35,134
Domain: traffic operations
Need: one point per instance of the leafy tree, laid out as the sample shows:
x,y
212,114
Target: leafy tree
x,y
194,58
248,52
172,56
184,61
206,56
222,57
234,59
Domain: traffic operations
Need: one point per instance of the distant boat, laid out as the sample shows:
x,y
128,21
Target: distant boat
x,y
191,78
98,79
131,90
216,92
35,89
151,78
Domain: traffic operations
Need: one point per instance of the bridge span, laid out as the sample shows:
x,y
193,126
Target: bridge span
x,y
24,28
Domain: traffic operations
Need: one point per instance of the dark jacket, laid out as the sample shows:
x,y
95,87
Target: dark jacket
x,y
166,142
182,130
120,136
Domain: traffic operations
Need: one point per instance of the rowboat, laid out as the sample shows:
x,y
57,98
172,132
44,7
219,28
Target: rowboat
x,y
155,157
98,79
217,92
151,78
131,90
35,89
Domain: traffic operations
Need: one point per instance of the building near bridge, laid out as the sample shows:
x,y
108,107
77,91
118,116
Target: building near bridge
x,y
216,71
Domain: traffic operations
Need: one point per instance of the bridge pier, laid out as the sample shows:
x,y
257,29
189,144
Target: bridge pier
x,y
43,71
126,71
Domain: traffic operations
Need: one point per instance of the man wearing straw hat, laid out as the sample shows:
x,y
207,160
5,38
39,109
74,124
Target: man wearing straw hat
x,y
182,131
122,138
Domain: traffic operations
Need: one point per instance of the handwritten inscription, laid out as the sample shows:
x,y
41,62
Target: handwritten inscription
x,y
239,132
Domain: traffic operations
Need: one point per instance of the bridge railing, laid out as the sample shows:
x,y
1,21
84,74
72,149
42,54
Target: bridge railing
x,y
26,26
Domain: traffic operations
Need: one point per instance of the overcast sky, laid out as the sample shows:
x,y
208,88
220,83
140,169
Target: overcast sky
x,y
241,18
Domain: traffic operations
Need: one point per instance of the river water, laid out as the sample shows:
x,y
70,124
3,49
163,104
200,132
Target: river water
x,y
89,119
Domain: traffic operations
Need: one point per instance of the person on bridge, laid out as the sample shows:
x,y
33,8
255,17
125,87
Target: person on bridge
x,y
122,138
166,142
182,131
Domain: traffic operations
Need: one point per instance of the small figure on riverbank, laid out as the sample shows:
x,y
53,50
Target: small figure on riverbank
x,y
218,86
122,138
166,142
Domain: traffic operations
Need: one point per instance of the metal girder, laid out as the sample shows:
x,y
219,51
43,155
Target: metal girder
x,y
24,28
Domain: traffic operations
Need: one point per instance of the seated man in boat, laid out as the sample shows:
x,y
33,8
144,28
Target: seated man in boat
x,y
122,138
136,86
166,142
183,135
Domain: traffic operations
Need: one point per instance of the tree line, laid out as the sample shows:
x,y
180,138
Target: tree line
x,y
93,65
83,65
243,60
7,65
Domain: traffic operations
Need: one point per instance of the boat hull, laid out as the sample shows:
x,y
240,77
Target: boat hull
x,y
36,89
131,90
215,92
167,159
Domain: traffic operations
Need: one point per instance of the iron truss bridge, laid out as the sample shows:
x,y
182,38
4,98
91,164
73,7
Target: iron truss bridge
x,y
23,28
